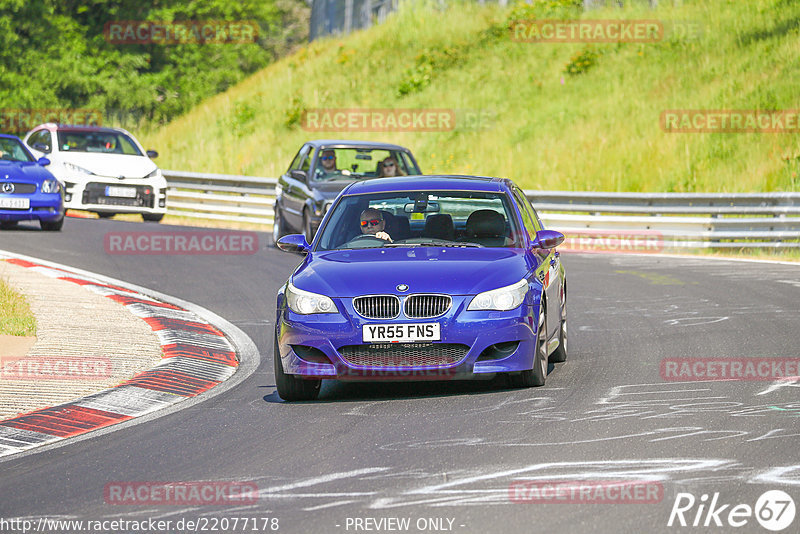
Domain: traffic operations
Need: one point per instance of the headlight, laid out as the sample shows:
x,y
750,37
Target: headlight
x,y
51,186
305,302
75,168
503,299
155,174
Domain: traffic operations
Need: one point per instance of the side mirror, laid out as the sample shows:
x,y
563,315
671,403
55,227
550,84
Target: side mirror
x,y
44,162
152,154
548,239
294,243
297,174
41,147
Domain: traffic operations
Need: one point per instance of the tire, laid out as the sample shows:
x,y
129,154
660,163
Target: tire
x,y
537,375
8,225
153,217
105,215
278,227
560,354
52,226
290,388
307,231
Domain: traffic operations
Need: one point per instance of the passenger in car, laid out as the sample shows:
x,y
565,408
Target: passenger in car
x,y
372,223
389,167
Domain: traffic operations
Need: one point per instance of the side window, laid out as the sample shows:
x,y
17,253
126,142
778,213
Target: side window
x,y
41,138
527,219
407,163
298,159
305,165
527,203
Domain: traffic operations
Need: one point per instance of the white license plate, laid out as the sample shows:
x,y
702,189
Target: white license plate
x,y
15,203
401,333
125,192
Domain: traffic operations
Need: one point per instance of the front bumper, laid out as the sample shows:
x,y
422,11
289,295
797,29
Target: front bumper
x,y
479,332
150,195
48,207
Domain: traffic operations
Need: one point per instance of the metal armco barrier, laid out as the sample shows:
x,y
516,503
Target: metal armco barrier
x,y
675,220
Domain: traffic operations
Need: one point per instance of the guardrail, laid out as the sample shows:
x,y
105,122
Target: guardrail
x,y
675,220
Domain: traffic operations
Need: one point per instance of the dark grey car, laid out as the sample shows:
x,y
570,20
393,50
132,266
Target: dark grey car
x,y
306,190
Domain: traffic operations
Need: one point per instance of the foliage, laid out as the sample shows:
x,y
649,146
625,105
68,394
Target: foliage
x,y
54,54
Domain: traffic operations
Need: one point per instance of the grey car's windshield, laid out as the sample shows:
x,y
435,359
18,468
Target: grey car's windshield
x,y
354,163
420,219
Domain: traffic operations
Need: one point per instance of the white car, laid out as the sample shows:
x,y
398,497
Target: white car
x,y
103,170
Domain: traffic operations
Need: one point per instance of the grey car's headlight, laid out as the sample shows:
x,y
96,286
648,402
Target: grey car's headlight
x,y
306,302
51,186
503,299
155,174
75,168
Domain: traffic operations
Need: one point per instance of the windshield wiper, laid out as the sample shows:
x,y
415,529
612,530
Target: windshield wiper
x,y
449,244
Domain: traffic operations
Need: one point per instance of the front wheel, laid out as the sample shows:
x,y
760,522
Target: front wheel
x,y
307,230
289,387
153,217
54,226
537,375
278,230
560,354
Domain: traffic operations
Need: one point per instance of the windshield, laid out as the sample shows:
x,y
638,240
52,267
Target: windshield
x,y
349,163
418,219
100,142
12,150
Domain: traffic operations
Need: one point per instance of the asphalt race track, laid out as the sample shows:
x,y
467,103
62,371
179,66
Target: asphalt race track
x,y
444,454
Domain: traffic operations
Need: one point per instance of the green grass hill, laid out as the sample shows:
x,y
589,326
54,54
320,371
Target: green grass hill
x,y
552,116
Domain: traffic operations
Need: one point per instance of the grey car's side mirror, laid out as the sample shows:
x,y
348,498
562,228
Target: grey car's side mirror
x,y
152,154
297,174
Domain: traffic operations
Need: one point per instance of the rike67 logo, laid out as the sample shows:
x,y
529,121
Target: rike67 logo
x,y
774,510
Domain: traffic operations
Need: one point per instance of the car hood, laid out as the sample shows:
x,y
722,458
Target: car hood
x,y
455,271
23,172
114,165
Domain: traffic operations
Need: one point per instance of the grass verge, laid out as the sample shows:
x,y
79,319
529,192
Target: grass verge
x,y
16,318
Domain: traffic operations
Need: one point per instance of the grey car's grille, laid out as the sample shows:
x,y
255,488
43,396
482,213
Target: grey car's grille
x,y
404,355
426,306
377,306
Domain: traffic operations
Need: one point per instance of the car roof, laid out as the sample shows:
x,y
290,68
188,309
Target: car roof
x,y
430,182
346,143
79,128
9,136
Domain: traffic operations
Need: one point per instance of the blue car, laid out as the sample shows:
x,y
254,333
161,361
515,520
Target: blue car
x,y
422,278
28,192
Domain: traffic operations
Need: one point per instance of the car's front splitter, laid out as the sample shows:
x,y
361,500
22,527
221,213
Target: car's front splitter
x,y
478,331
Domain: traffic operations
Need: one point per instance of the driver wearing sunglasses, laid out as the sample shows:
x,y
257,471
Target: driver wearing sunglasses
x,y
328,161
372,223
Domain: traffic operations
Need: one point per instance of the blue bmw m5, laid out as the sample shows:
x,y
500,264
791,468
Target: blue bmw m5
x,y
28,192
422,278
